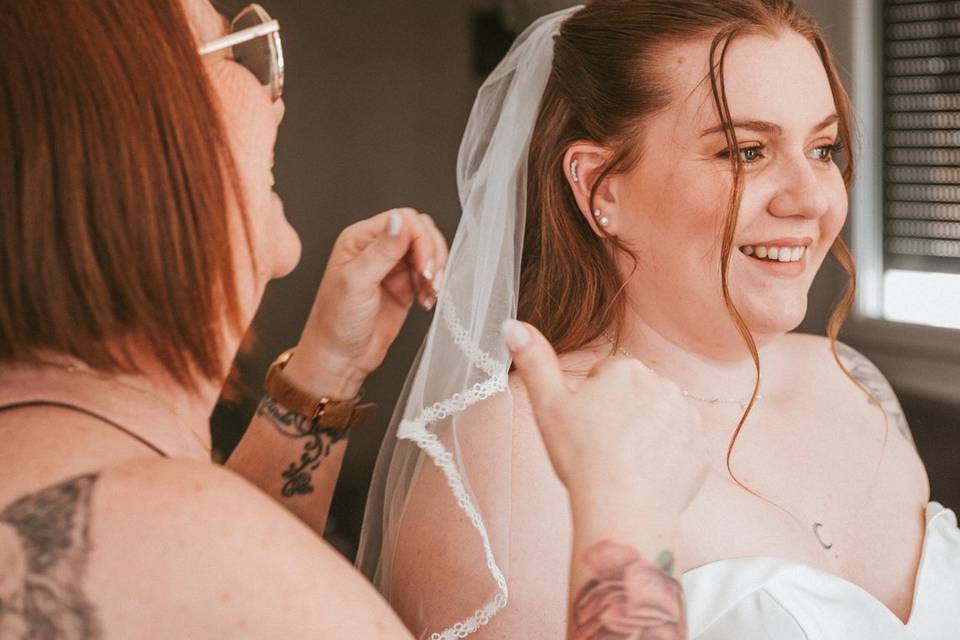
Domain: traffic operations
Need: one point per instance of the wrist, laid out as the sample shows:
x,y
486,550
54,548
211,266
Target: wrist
x,y
611,500
323,374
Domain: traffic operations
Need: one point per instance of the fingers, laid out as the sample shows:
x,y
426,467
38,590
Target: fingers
x,y
536,363
440,249
405,237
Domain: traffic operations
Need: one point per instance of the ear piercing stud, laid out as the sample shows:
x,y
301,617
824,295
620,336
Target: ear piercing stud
x,y
573,171
602,220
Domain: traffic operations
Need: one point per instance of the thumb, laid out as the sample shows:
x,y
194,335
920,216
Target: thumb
x,y
536,363
380,257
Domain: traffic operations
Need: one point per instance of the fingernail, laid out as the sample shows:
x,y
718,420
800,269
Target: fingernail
x,y
428,270
516,335
428,305
395,224
438,281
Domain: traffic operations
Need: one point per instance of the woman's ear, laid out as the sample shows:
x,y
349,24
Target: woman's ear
x,y
582,165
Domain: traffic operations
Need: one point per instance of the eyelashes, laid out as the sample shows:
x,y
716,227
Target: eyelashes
x,y
754,153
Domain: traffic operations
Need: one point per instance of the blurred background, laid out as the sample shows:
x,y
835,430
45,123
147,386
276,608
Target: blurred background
x,y
378,93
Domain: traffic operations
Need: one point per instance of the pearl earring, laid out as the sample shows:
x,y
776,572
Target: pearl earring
x,y
573,171
602,220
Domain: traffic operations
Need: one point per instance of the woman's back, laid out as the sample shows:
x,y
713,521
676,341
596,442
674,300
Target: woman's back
x,y
102,537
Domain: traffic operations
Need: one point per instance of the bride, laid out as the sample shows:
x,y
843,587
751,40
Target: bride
x,y
676,172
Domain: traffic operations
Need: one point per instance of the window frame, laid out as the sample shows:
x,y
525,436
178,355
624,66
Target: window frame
x,y
917,359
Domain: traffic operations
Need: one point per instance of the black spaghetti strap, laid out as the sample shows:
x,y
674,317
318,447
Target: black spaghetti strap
x,y
71,407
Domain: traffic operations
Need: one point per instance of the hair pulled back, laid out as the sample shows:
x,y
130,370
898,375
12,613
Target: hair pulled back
x,y
605,83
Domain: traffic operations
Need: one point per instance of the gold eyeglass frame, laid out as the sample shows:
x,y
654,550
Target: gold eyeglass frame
x,y
268,28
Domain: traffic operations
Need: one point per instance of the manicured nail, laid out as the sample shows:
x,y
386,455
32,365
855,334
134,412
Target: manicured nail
x,y
428,305
516,335
438,281
428,270
395,224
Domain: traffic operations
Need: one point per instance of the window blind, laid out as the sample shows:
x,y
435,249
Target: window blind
x,y
921,142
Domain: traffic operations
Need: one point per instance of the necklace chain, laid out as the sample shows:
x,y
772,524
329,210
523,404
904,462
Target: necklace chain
x,y
73,368
713,400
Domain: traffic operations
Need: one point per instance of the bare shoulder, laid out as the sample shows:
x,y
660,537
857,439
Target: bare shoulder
x,y
869,384
169,548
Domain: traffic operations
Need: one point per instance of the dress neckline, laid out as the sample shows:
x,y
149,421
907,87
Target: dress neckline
x,y
773,565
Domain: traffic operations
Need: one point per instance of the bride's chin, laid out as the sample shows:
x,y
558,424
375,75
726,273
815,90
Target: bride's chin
x,y
774,323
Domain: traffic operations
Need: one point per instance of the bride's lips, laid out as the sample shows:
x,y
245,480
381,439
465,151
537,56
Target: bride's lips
x,y
780,257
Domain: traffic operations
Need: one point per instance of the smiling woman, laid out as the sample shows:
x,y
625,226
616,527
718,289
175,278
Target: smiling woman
x,y
684,182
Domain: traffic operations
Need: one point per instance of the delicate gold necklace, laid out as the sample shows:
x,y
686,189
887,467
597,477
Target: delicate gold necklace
x,y
74,368
686,394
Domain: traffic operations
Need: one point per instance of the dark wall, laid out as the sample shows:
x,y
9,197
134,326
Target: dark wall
x,y
377,96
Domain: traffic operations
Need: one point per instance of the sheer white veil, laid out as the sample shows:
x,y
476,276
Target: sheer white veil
x,y
457,388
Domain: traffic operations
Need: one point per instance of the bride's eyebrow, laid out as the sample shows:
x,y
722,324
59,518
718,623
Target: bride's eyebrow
x,y
763,126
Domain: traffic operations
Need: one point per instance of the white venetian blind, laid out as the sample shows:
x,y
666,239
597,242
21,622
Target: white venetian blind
x,y
922,135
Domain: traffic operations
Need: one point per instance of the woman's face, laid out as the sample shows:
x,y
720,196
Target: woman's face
x,y
251,121
670,207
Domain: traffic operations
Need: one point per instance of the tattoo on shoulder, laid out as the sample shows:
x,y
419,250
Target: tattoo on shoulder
x,y
628,597
867,374
44,546
298,476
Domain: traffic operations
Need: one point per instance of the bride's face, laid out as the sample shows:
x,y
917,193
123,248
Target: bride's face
x,y
670,207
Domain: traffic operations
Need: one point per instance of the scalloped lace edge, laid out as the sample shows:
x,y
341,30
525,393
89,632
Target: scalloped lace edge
x,y
416,432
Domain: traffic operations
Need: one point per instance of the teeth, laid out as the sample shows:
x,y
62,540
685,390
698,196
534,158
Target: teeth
x,y
775,254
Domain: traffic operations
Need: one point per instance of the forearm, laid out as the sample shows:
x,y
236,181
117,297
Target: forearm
x,y
290,457
623,577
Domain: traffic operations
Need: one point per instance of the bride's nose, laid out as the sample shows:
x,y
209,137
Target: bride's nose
x,y
279,109
800,192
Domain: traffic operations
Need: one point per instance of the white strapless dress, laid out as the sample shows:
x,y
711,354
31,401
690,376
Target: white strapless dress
x,y
763,598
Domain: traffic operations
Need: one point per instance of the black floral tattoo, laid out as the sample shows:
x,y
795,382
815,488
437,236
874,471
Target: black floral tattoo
x,y
867,374
44,545
298,477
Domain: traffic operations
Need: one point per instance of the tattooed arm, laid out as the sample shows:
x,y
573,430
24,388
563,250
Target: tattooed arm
x,y
376,271
882,394
291,457
628,448
622,576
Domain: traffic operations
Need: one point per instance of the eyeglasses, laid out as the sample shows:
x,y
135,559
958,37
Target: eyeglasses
x,y
255,41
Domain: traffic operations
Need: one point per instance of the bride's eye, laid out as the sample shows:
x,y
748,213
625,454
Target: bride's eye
x,y
748,155
826,153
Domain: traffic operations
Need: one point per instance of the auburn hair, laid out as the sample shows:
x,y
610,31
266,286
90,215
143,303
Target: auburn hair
x,y
603,86
115,190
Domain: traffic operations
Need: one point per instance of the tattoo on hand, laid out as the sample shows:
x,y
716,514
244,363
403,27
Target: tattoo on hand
x,y
44,545
629,597
867,374
298,477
